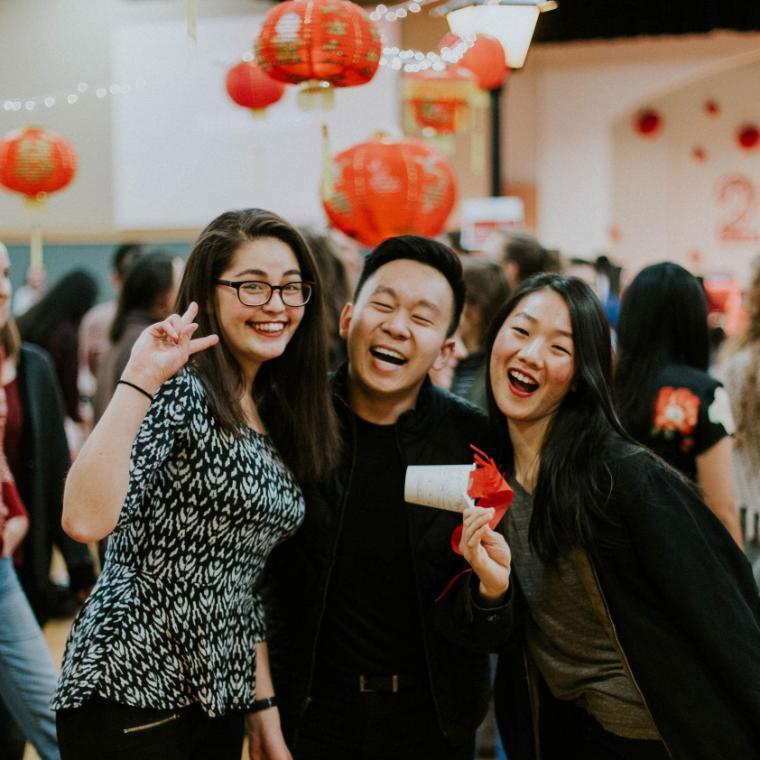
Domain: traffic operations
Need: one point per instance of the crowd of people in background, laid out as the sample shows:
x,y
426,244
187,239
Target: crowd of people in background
x,y
204,378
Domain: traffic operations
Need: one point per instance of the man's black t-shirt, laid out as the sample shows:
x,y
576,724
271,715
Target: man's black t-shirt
x,y
371,625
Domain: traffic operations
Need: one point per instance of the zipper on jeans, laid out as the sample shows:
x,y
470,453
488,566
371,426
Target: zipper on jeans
x,y
147,726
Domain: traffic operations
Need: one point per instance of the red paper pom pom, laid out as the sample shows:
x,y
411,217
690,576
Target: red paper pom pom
x,y
648,123
748,136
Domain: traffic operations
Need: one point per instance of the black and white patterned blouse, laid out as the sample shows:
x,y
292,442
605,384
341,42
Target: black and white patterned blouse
x,y
175,615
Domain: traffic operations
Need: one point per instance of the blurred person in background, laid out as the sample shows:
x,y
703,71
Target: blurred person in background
x,y
349,251
147,296
739,368
521,256
53,324
443,376
336,288
27,672
31,291
35,446
487,291
665,396
96,323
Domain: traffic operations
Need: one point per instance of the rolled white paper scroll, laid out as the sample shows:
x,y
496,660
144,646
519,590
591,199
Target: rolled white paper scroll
x,y
441,486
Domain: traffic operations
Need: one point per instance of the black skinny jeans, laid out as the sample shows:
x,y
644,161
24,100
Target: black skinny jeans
x,y
105,730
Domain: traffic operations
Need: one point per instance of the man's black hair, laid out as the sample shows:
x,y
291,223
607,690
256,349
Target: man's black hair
x,y
426,251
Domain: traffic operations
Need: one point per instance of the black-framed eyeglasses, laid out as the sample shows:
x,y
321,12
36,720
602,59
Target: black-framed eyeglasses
x,y
258,293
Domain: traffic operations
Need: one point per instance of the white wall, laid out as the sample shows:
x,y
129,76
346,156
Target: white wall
x,y
562,109
179,151
669,204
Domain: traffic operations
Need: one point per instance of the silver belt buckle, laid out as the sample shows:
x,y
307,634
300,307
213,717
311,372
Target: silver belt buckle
x,y
363,686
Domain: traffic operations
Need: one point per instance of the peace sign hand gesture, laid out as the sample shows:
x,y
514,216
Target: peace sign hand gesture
x,y
164,348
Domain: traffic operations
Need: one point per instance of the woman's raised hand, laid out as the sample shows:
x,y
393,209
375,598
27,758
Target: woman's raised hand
x,y
487,552
164,348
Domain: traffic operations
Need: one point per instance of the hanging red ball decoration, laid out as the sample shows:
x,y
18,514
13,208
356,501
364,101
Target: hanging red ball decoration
x,y
386,187
35,162
440,99
331,42
648,123
748,136
250,87
485,59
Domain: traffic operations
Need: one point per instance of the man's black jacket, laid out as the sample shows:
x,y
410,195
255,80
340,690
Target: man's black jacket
x,y
457,633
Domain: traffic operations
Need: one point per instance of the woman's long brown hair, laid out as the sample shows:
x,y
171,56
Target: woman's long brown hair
x,y
291,392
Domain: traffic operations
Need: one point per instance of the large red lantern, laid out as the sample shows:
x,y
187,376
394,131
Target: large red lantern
x,y
251,88
323,43
388,187
34,162
441,99
485,59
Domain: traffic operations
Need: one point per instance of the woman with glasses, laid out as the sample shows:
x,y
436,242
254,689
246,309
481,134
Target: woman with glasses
x,y
193,470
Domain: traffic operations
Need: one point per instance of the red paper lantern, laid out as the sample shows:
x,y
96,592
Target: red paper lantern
x,y
251,88
440,99
34,162
748,136
485,59
390,187
648,122
324,42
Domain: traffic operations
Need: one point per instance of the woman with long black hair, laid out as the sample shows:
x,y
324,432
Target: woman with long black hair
x,y
193,470
640,625
665,396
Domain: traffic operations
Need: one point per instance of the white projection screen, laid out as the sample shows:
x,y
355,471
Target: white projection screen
x,y
183,152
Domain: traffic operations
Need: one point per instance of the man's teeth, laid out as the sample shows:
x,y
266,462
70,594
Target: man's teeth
x,y
394,357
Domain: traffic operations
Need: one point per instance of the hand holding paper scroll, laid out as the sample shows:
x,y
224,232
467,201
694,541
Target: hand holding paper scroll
x,y
469,489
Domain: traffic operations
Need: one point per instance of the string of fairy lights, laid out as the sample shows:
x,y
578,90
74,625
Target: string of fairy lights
x,y
71,97
407,60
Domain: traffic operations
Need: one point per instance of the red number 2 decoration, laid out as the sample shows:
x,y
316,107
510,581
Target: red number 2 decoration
x,y
738,191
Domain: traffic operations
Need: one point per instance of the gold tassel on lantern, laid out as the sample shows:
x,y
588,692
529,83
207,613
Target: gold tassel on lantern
x,y
35,248
191,7
327,187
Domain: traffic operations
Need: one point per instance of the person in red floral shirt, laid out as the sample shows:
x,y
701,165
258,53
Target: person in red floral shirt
x,y
665,395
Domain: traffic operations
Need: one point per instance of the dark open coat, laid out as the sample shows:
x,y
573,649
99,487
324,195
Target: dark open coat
x,y
438,431
44,462
683,607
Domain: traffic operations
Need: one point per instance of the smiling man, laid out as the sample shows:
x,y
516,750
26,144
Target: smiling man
x,y
370,606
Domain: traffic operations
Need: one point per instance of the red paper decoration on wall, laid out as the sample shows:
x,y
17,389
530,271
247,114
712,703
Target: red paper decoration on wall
x,y
712,108
251,88
648,123
748,136
441,99
387,187
485,59
34,162
332,42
